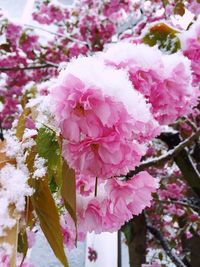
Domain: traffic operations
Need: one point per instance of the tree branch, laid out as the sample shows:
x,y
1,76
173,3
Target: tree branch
x,y
165,245
169,155
16,68
182,203
57,34
130,24
1,132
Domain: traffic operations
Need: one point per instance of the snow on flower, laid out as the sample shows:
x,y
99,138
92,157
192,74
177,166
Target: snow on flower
x,y
165,80
103,124
190,42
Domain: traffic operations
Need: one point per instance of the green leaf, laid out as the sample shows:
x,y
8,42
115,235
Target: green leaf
x,y
47,213
23,38
126,229
68,191
22,244
164,36
22,123
160,256
48,147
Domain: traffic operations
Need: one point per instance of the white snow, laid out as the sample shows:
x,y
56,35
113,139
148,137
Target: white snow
x,y
112,82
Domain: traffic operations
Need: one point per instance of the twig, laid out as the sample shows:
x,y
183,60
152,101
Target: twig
x,y
1,132
57,34
168,250
169,155
130,24
16,68
191,123
119,249
182,203
96,186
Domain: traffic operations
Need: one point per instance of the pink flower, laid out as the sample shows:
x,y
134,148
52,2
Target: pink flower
x,y
50,13
165,80
26,264
194,7
13,33
191,48
4,260
104,156
115,6
173,190
102,124
116,202
188,234
76,49
29,44
173,209
153,264
136,192
31,238
69,231
85,185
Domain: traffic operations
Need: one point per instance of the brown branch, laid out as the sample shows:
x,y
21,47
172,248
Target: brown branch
x,y
16,68
182,203
165,245
162,159
191,123
66,36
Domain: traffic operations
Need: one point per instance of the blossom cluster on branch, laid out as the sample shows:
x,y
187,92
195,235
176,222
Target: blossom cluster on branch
x,y
80,111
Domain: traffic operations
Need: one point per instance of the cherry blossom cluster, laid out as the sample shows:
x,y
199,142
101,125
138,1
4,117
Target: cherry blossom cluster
x,y
106,110
115,203
176,213
21,47
165,80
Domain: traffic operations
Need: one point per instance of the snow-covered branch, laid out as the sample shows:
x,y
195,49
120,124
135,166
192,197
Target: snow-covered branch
x,y
162,159
169,251
16,68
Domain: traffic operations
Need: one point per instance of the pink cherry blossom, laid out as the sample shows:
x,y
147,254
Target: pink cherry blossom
x,y
165,80
191,48
13,33
50,13
136,192
102,127
4,260
194,6
85,185
69,231
31,237
116,202
103,156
